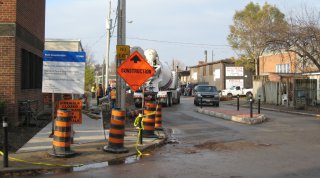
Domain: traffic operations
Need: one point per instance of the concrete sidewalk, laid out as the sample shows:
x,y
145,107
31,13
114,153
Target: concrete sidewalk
x,y
89,141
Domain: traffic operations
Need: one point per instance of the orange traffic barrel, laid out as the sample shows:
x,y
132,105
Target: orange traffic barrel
x,y
116,132
158,118
149,120
62,134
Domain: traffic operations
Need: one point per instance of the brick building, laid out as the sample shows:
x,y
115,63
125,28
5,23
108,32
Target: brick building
x,y
22,34
284,76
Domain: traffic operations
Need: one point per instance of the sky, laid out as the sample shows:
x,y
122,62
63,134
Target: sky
x,y
177,29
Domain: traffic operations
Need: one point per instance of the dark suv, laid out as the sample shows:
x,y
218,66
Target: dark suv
x,y
206,94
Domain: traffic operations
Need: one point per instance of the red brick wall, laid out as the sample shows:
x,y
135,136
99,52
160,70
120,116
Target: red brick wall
x,y
268,63
274,77
7,72
30,15
7,11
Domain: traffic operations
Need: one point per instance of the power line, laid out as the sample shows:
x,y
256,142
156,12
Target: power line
x,y
100,38
178,43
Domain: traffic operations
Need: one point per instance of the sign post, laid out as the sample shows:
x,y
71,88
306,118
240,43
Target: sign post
x,y
121,40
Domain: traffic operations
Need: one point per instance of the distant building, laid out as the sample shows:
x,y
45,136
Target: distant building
x,y
22,33
184,76
223,74
64,45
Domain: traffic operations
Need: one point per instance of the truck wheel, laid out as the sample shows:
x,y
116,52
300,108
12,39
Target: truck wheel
x,y
229,95
248,94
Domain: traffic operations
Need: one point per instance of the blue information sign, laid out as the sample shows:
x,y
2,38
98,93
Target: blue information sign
x,y
63,72
64,56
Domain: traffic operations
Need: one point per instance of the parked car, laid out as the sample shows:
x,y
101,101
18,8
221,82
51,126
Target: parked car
x,y
236,90
206,94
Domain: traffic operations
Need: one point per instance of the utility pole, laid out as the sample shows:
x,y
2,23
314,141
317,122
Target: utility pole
x,y
121,40
103,72
212,56
109,24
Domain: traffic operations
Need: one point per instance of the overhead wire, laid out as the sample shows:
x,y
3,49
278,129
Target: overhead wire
x,y
176,42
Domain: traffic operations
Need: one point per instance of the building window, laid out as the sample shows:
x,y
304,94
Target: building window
x,y
204,70
31,70
283,68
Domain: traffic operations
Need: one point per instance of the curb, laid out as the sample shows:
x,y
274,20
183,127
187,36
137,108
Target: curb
x,y
244,120
281,110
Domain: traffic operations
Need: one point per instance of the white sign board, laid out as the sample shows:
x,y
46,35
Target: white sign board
x,y
63,72
234,71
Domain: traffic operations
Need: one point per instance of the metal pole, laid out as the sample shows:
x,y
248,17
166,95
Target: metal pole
x,y
121,87
52,114
103,72
278,93
250,106
109,24
259,105
5,142
238,102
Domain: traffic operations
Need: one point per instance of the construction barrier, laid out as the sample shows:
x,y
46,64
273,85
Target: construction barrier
x,y
116,132
149,120
158,118
62,134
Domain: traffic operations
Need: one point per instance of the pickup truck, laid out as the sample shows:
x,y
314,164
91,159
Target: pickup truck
x,y
236,90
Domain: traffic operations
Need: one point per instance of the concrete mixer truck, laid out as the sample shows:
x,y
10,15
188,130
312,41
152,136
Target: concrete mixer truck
x,y
162,85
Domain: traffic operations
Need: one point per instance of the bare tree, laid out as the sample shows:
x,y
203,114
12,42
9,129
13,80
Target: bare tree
x,y
302,37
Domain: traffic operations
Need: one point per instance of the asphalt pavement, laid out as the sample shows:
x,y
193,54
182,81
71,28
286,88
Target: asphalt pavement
x,y
90,138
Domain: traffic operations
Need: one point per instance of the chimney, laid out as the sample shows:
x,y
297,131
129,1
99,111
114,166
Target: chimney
x,y
205,56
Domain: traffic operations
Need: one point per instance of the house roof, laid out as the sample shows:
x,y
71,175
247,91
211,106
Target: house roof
x,y
64,44
226,61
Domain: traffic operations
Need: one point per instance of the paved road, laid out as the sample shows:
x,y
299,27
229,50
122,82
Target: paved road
x,y
287,145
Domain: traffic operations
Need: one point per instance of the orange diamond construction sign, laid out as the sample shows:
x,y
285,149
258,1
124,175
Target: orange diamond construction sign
x,y
135,70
